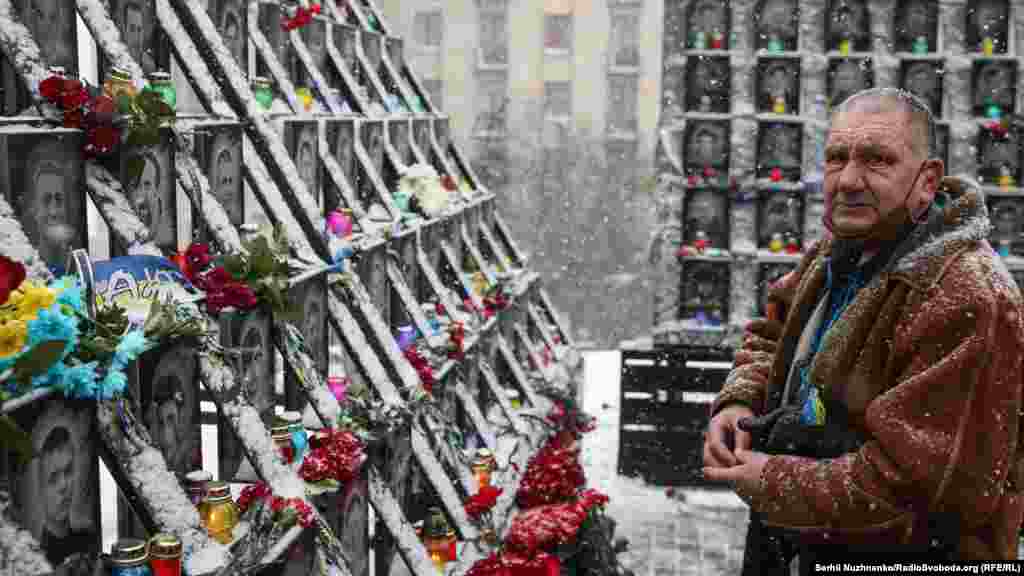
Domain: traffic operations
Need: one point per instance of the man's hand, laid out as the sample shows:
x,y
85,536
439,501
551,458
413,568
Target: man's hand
x,y
745,477
724,436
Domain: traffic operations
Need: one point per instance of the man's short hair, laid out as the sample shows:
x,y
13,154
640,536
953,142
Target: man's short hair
x,y
884,99
59,439
149,158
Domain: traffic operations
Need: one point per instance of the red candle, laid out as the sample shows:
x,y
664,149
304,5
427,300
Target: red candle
x,y
776,175
165,555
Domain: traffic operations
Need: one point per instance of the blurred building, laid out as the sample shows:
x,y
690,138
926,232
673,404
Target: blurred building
x,y
515,73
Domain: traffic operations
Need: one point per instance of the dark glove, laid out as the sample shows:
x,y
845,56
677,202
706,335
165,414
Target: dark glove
x,y
781,432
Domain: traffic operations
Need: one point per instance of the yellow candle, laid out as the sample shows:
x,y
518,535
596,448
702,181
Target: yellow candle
x,y
844,47
780,105
988,46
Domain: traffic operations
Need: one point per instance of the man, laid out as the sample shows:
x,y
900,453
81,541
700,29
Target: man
x,y
135,35
848,20
47,203
922,80
307,164
777,19
848,77
165,415
46,19
57,480
224,180
994,85
145,192
917,22
895,362
231,30
705,147
779,145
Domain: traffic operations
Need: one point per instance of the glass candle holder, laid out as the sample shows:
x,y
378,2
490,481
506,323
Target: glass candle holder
x,y
119,82
165,555
196,483
282,437
263,91
406,336
219,514
297,432
160,83
130,557
920,45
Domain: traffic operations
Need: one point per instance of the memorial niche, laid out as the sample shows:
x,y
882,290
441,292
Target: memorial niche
x,y
372,138
1006,215
339,136
766,275
847,76
778,86
777,24
994,93
229,18
301,138
780,221
778,151
398,135
136,21
314,36
847,26
999,157
270,26
924,79
917,26
708,25
988,26
169,381
53,26
218,150
706,219
706,147
709,85
421,132
705,289
311,298
672,92
147,178
42,174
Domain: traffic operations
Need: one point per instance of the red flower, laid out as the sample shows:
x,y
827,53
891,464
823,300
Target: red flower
x,y
198,256
73,118
422,367
51,88
12,274
439,308
482,501
514,563
692,180
240,296
74,95
250,494
709,172
337,454
314,8
101,140
552,475
448,182
546,527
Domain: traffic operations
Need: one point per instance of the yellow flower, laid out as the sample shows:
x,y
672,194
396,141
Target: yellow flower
x,y
29,299
13,334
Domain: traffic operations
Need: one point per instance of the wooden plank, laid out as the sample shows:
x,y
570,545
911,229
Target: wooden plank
x,y
319,82
434,471
398,80
410,548
453,261
517,372
470,243
435,281
542,328
537,360
413,307
266,52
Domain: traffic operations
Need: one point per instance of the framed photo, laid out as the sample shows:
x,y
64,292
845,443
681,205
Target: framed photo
x,y
339,135
151,191
778,85
995,84
229,16
917,19
41,170
708,25
55,495
988,19
398,137
706,146
780,215
779,146
136,20
345,39
169,405
421,132
250,334
777,24
372,269
998,156
1007,215
270,26
372,49
218,150
706,212
847,76
709,84
396,53
705,291
848,21
311,296
302,140
924,79
314,35
766,274
371,136
54,26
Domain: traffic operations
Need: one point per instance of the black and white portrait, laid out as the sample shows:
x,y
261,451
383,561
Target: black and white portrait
x,y
54,495
706,214
924,79
988,19
305,153
229,17
171,408
151,192
705,289
222,156
372,136
994,85
1006,214
779,213
846,76
314,35
778,79
311,296
848,22
398,135
54,27
777,25
998,156
707,146
766,275
372,49
250,335
270,26
421,132
42,172
779,147
136,19
916,19
396,52
345,38
709,84
707,18
342,147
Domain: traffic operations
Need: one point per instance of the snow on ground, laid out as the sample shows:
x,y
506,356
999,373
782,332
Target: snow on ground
x,y
702,535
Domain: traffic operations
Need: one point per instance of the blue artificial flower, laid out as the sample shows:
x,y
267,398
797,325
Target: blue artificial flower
x,y
80,381
53,377
70,293
50,324
131,345
113,384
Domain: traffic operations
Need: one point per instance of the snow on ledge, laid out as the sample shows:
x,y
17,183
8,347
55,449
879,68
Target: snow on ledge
x,y
108,37
22,552
14,244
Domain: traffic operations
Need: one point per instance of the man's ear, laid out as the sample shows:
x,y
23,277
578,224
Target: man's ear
x,y
932,173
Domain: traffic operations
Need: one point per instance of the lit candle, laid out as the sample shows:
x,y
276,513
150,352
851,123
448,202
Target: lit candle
x,y
119,82
165,555
717,40
219,514
700,40
779,105
1006,179
263,91
792,246
844,47
483,466
988,46
776,243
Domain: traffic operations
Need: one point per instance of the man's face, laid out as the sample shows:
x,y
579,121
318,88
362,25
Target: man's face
x,y
232,35
994,85
134,33
224,181
166,432
146,195
922,81
45,22
50,202
777,145
989,16
705,149
869,169
778,82
847,20
307,166
708,17
915,19
58,474
345,151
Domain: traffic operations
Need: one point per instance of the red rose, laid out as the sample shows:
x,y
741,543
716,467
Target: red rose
x,y
51,88
101,140
315,8
240,296
12,274
250,494
73,118
482,501
198,256
74,95
448,182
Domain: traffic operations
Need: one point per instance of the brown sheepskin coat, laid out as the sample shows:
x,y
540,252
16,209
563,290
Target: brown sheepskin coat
x,y
927,361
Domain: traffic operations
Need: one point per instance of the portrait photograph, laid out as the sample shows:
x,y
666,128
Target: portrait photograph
x,y
398,136
705,290
170,405
53,24
42,172
846,76
848,21
924,79
706,19
988,19
916,19
345,38
340,136
778,82
777,24
995,84
151,192
219,151
311,295
998,156
372,138
707,145
421,132
54,495
229,18
270,26
779,146
706,210
249,334
779,212
372,49
766,274
709,82
136,20
314,36
302,140
1007,215
396,53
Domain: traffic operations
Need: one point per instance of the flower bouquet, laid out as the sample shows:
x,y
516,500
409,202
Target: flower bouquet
x,y
422,183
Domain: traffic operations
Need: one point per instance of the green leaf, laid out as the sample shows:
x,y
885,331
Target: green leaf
x,y
263,263
235,265
13,437
39,359
149,103
134,167
124,103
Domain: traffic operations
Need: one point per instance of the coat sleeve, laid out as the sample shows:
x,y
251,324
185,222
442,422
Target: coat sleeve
x,y
942,438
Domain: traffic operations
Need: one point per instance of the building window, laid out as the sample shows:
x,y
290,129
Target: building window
x,y
494,37
624,41
491,105
622,95
558,32
427,28
557,100
433,86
